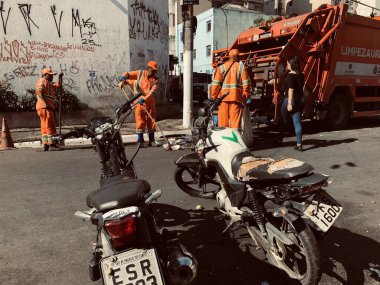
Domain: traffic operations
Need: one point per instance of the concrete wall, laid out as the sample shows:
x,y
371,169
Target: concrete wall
x,y
91,42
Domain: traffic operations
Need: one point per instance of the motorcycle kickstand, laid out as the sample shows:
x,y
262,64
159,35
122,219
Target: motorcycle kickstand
x,y
230,225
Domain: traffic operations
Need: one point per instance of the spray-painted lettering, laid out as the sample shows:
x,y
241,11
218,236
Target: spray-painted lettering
x,y
57,21
4,16
25,11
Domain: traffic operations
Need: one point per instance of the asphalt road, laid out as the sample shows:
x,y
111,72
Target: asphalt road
x,y
41,242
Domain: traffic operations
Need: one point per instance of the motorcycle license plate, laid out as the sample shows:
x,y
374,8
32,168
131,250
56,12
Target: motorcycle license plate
x,y
133,267
323,210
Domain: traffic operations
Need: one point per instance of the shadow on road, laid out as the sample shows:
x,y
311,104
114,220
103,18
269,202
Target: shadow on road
x,y
324,143
268,141
354,252
226,262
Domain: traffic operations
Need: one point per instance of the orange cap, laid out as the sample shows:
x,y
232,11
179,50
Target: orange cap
x,y
152,64
48,71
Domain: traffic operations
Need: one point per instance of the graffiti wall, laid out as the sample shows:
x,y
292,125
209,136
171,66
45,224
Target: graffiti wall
x,y
90,42
148,23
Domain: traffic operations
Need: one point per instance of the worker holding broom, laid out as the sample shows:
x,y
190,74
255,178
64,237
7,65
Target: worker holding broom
x,y
146,82
47,101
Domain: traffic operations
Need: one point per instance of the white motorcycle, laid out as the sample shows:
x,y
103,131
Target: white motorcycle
x,y
282,203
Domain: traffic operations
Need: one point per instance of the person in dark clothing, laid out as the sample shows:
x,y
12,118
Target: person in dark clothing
x,y
293,102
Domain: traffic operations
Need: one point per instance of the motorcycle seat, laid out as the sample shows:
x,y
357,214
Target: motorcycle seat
x,y
118,193
247,168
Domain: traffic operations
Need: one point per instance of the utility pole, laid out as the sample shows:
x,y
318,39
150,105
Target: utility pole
x,y
187,17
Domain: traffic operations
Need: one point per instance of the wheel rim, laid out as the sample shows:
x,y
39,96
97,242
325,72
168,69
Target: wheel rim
x,y
190,179
293,261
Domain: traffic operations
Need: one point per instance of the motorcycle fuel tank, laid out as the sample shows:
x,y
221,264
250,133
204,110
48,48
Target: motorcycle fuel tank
x,y
225,143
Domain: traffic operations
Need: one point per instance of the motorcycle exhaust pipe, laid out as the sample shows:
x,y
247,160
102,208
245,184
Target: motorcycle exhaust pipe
x,y
181,265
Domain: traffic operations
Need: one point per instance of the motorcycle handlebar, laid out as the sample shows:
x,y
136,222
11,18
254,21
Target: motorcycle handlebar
x,y
76,132
128,105
79,132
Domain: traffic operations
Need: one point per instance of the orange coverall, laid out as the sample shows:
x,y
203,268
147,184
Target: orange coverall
x,y
47,100
237,82
148,86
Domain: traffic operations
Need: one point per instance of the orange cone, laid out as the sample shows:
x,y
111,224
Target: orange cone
x,y
6,138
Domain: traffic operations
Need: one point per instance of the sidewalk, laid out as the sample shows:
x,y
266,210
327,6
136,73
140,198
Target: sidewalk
x,y
31,137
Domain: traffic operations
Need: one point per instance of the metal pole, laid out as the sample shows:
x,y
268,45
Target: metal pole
x,y
187,14
226,25
60,105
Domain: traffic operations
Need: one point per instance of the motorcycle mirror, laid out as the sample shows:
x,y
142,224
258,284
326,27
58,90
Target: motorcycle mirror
x,y
201,112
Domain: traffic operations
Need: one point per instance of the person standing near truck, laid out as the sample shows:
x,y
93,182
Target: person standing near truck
x,y
232,77
293,102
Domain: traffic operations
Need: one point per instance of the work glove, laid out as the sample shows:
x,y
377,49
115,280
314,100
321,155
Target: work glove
x,y
249,101
121,84
122,78
60,75
141,101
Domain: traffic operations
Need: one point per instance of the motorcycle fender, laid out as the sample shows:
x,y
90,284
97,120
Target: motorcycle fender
x,y
190,159
273,232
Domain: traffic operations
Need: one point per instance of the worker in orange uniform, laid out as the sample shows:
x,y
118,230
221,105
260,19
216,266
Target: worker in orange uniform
x,y
231,77
146,82
47,101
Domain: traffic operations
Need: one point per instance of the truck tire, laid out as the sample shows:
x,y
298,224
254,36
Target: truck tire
x,y
338,112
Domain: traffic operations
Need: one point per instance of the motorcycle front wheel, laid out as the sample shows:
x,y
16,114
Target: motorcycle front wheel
x,y
187,179
301,260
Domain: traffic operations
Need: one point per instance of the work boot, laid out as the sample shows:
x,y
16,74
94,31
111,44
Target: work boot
x,y
45,147
151,140
140,139
152,143
54,147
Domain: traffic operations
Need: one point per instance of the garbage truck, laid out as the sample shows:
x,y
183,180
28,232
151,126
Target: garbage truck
x,y
339,56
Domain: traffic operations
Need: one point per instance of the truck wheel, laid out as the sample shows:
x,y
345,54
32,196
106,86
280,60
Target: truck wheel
x,y
338,112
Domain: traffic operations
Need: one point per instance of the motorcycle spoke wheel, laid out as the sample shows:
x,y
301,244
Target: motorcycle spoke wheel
x,y
187,179
302,261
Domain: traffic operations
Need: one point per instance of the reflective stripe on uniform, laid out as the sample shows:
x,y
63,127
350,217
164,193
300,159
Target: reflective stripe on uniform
x,y
240,72
231,86
223,68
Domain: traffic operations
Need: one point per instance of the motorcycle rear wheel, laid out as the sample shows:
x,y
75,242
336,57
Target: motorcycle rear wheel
x,y
187,179
300,261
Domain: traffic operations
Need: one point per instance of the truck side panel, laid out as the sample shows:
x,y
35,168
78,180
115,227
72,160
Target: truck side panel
x,y
356,64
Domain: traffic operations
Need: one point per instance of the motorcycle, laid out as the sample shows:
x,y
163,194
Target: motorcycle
x,y
129,247
282,203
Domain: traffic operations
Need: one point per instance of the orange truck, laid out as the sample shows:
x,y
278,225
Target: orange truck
x,y
339,55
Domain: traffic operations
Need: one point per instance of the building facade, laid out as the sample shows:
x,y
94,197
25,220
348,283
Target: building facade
x,y
217,28
289,7
90,44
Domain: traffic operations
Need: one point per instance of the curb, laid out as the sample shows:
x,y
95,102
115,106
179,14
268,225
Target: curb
x,y
127,139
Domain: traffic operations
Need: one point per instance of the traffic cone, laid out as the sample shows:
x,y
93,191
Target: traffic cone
x,y
6,138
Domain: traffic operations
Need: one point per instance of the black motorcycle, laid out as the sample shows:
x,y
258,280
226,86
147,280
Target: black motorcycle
x,y
129,248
